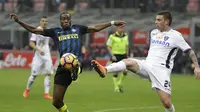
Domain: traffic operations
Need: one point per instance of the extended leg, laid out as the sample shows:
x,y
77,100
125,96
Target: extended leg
x,y
31,80
128,64
121,79
47,83
115,82
58,96
166,100
62,80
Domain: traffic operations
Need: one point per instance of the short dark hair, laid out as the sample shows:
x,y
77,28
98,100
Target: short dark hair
x,y
64,13
44,17
166,15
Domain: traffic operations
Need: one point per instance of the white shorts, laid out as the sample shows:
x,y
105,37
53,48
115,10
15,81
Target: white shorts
x,y
41,66
158,75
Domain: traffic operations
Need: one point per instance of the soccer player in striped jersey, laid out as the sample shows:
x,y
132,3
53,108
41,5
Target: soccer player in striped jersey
x,y
67,38
158,65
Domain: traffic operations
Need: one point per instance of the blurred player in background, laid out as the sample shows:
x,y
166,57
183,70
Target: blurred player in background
x,y
42,62
158,65
117,45
68,39
55,66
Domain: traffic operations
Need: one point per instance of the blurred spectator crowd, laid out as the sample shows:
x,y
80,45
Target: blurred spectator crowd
x,y
7,45
77,5
182,64
41,5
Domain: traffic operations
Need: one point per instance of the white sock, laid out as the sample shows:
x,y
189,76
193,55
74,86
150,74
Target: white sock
x,y
116,67
30,82
47,82
172,109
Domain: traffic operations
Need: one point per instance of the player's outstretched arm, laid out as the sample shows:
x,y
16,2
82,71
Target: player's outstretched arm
x,y
26,26
101,26
195,62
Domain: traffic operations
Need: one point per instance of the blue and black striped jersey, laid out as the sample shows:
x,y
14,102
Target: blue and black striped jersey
x,y
68,40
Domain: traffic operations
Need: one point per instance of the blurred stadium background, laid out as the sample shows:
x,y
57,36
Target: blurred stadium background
x,y
16,55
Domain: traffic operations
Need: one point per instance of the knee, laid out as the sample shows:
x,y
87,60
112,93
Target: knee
x,y
32,77
127,62
131,65
167,103
57,103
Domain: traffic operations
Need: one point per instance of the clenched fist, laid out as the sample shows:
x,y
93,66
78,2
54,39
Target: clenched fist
x,y
14,17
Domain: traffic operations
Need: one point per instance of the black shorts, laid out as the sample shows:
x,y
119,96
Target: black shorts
x,y
120,57
62,76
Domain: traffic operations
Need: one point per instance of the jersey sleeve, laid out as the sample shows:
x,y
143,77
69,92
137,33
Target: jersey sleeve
x,y
109,41
50,33
182,44
33,37
83,29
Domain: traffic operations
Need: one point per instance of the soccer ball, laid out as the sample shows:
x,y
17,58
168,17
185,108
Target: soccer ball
x,y
68,61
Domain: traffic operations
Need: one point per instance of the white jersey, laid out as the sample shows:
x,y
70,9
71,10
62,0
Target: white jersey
x,y
164,47
42,42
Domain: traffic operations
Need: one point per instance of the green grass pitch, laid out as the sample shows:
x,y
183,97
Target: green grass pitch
x,y
94,94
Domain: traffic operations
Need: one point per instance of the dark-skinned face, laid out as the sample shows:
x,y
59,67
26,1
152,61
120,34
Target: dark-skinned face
x,y
65,20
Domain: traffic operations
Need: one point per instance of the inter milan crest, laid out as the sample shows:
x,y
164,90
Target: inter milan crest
x,y
166,38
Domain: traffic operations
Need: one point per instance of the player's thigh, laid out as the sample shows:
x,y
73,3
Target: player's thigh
x,y
48,67
139,67
36,66
62,77
59,92
62,80
160,78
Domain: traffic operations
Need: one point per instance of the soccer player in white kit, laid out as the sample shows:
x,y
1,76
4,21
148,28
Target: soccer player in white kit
x,y
158,65
42,62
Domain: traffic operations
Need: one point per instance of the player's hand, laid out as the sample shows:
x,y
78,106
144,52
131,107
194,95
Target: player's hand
x,y
197,72
113,58
14,17
119,23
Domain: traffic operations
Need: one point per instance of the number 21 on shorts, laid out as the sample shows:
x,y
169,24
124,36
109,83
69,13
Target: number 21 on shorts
x,y
167,84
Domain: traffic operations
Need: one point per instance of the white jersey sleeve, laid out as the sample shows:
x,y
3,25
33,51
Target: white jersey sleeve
x,y
182,44
33,37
